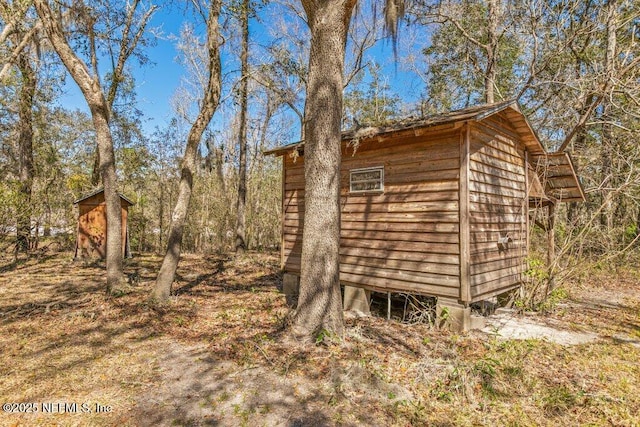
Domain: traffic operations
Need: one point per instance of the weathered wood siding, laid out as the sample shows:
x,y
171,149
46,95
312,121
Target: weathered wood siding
x,y
497,207
403,239
92,227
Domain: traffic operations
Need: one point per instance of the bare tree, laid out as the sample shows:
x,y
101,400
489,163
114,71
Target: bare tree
x,y
87,78
208,106
241,244
131,37
25,148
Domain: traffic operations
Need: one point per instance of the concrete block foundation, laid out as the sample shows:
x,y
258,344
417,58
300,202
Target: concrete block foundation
x,y
357,299
291,288
453,315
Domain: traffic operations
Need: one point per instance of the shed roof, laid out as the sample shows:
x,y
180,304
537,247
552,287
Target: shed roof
x,y
98,191
558,176
477,113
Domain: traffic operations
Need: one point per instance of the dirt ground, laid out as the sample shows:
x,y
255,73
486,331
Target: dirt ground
x,y
70,355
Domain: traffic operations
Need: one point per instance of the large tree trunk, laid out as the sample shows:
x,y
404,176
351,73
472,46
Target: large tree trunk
x,y
492,51
608,141
166,276
95,171
320,305
92,91
241,244
114,261
25,150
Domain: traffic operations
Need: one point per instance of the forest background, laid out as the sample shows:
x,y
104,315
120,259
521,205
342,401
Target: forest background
x,y
572,65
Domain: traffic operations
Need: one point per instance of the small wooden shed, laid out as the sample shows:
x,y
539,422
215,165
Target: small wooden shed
x,y
91,240
437,206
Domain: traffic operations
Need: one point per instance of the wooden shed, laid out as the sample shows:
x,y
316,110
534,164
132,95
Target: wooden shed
x,y
437,206
91,240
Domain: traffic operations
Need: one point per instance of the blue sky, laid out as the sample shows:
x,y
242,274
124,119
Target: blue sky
x,y
157,81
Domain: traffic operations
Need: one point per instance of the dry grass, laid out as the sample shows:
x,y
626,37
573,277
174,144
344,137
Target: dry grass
x,y
214,355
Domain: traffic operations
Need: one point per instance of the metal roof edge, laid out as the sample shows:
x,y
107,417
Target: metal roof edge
x,y
100,190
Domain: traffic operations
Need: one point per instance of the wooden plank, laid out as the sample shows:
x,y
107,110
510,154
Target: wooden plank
x,y
433,227
404,164
386,284
501,264
443,146
501,283
439,206
291,263
404,265
429,164
415,176
395,254
496,180
294,226
477,279
436,248
504,127
422,247
481,187
465,292
494,254
496,141
282,209
567,182
385,254
399,140
294,167
400,236
292,194
480,151
484,237
428,157
496,209
434,186
441,196
293,186
489,227
525,205
403,217
515,175
424,217
500,141
288,223
407,276
407,176
497,164
490,246
446,190
492,199
495,218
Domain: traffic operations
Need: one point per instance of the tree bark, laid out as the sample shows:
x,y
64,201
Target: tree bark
x,y
94,96
608,145
241,245
492,51
125,50
319,304
166,276
25,150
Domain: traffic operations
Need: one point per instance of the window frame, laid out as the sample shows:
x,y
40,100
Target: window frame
x,y
369,169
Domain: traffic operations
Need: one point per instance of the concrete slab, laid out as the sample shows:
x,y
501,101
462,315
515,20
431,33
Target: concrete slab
x,y
509,326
